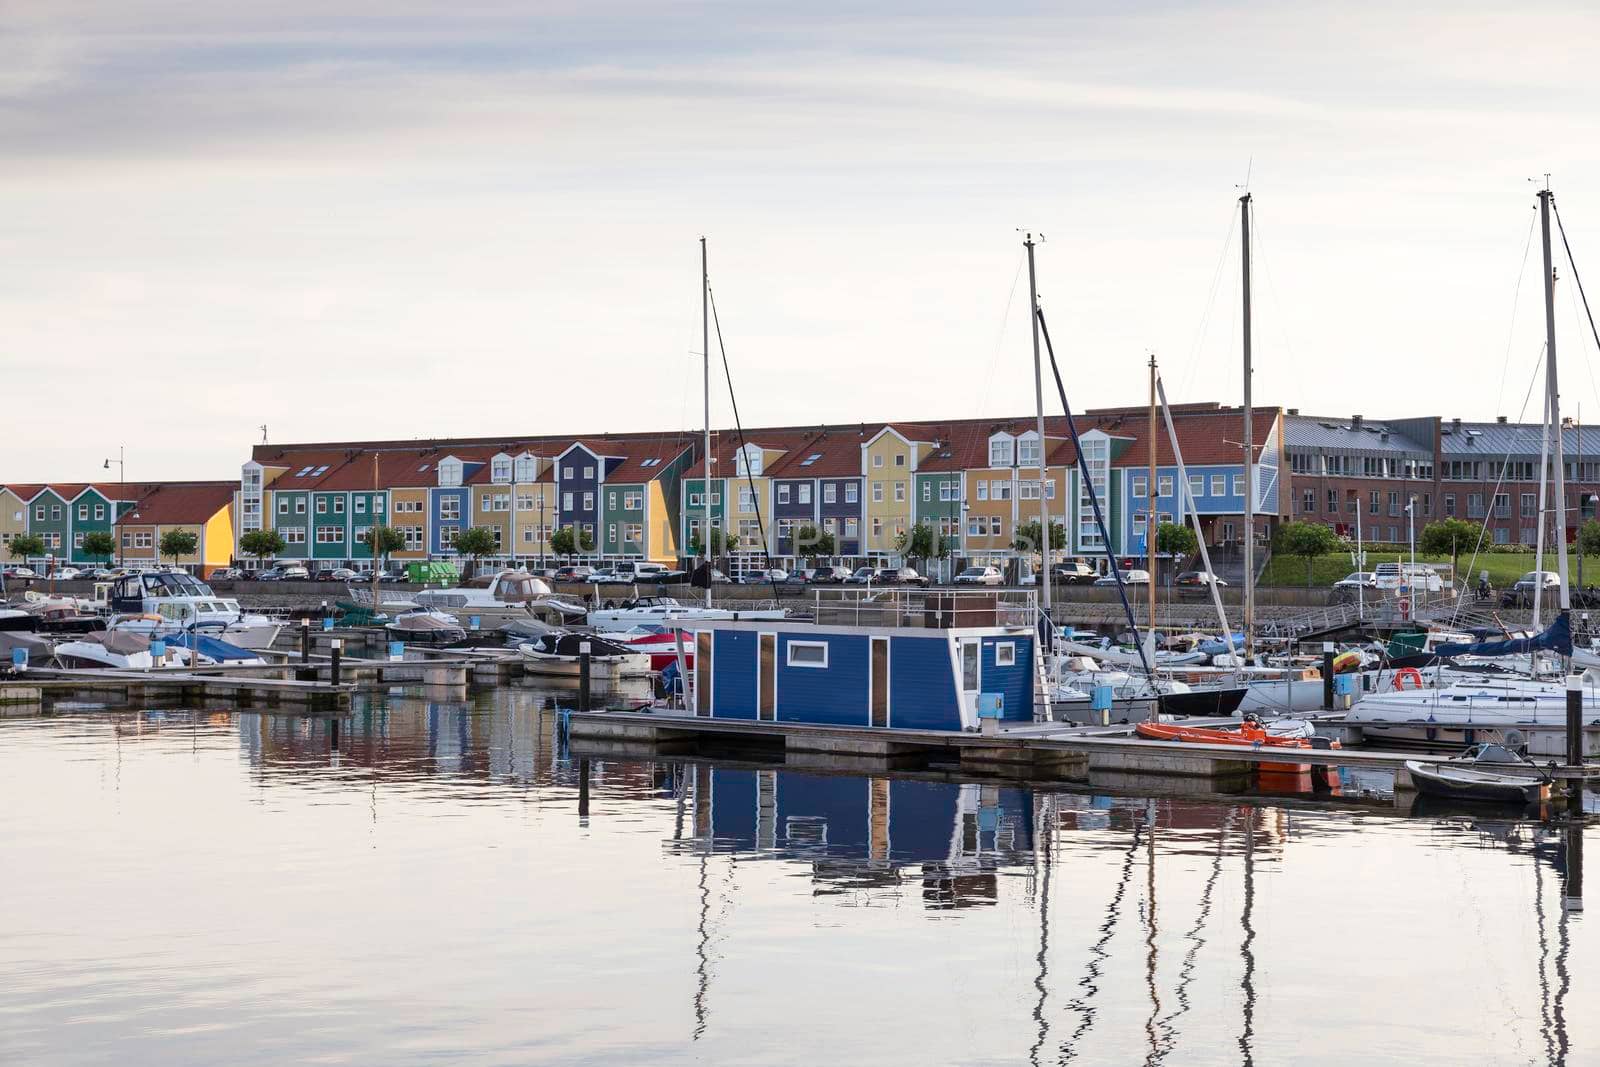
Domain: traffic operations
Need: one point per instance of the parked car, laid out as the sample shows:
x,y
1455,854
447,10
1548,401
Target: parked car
x,y
573,572
270,574
1359,580
1129,577
1074,572
604,577
229,574
831,576
99,574
336,574
900,576
389,576
1416,577
980,576
639,571
803,576
862,576
20,572
65,574
1548,580
1198,580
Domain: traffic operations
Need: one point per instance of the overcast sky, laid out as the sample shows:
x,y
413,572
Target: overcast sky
x,y
405,219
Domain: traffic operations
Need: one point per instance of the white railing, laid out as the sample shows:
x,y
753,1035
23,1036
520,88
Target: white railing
x,y
933,608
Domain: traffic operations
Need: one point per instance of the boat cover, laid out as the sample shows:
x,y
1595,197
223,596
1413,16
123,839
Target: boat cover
x,y
1557,638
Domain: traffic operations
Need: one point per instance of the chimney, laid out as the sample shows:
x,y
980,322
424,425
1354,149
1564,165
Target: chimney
x,y
1501,419
1455,425
1294,411
1355,422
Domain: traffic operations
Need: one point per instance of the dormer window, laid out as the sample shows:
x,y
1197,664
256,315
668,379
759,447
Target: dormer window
x,y
500,470
1028,450
449,471
527,468
1000,450
748,462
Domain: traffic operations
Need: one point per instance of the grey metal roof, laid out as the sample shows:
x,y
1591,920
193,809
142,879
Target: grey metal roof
x,y
1511,438
1309,433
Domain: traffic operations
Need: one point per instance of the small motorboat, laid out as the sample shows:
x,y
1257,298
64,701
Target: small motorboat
x,y
557,654
36,648
425,627
1251,732
106,648
662,645
1487,773
12,619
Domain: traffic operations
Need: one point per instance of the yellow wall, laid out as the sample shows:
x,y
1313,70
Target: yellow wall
x,y
130,553
528,519
494,520
661,540
399,519
217,542
895,515
10,525
760,509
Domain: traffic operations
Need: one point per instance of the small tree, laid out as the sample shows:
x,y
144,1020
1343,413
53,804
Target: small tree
x,y
262,544
1589,538
382,540
1308,540
178,543
564,543
99,544
25,545
1175,540
476,542
1027,537
721,542
813,543
920,542
1451,537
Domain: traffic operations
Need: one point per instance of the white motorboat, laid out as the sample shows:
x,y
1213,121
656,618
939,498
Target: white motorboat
x,y
106,648
1472,712
424,627
506,596
559,655
661,610
179,603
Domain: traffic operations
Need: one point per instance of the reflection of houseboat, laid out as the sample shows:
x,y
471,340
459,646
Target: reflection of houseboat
x,y
910,677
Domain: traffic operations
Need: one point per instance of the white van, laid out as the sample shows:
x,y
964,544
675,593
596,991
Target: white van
x,y
639,571
1417,577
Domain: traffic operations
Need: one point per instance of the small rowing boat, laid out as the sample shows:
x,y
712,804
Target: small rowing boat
x,y
1487,773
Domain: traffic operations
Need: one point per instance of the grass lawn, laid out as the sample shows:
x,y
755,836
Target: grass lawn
x,y
1504,567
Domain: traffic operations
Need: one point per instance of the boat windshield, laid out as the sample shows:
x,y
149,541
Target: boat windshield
x,y
174,584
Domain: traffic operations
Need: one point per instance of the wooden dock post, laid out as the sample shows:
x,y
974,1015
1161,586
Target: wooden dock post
x,y
335,652
1327,676
583,676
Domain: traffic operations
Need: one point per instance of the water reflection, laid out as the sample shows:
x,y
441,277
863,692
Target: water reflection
x,y
531,903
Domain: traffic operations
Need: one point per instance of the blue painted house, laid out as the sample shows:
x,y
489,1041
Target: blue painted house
x,y
887,676
450,504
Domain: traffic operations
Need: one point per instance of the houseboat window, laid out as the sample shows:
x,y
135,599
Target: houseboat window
x,y
808,653
1005,654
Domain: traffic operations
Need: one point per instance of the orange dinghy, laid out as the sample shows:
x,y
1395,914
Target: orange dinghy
x,y
1248,734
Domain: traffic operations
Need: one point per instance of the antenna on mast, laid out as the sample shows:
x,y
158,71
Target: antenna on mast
x,y
263,433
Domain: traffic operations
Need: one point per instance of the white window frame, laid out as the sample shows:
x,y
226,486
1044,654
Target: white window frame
x,y
1009,651
790,661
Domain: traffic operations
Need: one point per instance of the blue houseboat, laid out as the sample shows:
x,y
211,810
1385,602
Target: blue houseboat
x,y
905,677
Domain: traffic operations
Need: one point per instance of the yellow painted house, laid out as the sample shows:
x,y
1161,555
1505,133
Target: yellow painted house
x,y
204,509
889,460
14,514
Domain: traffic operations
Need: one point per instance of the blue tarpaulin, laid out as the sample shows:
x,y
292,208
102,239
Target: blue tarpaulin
x,y
1558,638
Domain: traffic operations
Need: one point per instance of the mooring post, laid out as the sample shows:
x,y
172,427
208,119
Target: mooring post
x,y
335,647
1327,676
305,640
583,676
583,789
1575,729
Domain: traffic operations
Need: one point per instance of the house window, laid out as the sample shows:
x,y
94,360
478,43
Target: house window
x,y
361,505
77,540
1219,485
852,527
611,533
983,490
1197,485
808,654
1373,502
1000,452
949,491
611,500
38,513
500,469
294,535
1527,504
525,466
975,527
83,512
830,493
1475,505
502,501
927,492
330,535
803,493
322,505
1164,485
1427,505
1028,452
1394,503
900,492
877,461
783,494
633,533
1005,654
566,501
1449,504
1309,503
283,507
1333,501
566,472
588,502
55,512
1502,505
877,527
524,502
1238,485
877,492
1000,489
852,492
99,511
994,526
1140,486
1028,489
747,500
588,473
632,501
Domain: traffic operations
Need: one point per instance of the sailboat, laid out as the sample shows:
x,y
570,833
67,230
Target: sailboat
x,y
1474,711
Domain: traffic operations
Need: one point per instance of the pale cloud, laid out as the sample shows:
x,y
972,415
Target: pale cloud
x,y
372,218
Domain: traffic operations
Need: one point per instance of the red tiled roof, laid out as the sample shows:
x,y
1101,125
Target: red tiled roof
x,y
26,491
838,452
180,502
1205,437
663,449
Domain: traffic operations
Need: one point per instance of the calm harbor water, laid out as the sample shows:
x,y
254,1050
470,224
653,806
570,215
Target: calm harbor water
x,y
446,885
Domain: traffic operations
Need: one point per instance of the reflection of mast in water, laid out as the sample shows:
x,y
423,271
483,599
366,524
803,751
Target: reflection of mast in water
x,y
702,970
1150,929
1080,1004
1045,842
1545,1014
1248,981
1196,943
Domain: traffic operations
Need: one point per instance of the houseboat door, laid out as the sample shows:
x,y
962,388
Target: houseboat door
x,y
768,667
702,672
880,681
971,676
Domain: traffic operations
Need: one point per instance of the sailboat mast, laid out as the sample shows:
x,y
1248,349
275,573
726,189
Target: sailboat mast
x,y
1150,502
1249,446
1038,398
1553,391
705,380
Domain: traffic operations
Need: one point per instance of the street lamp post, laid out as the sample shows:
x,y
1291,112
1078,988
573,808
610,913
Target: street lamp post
x,y
122,482
1411,529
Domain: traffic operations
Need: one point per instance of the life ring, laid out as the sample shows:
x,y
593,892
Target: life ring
x,y
1405,606
1407,672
